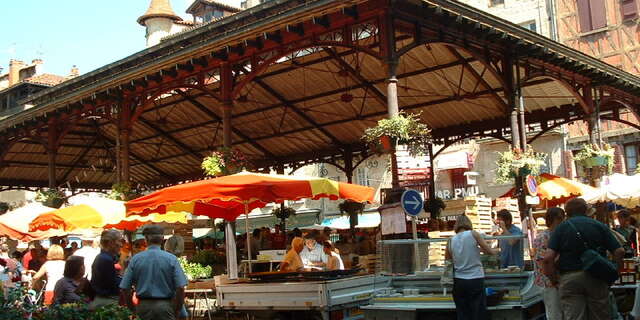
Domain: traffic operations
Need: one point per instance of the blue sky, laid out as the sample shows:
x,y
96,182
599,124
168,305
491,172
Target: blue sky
x,y
85,33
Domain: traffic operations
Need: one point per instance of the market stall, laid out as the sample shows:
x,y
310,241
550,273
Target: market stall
x,y
229,197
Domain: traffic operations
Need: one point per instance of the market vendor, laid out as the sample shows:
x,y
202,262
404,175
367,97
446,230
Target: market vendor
x,y
292,261
334,262
313,255
511,251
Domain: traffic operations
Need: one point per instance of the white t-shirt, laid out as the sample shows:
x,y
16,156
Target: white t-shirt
x,y
55,272
466,256
89,254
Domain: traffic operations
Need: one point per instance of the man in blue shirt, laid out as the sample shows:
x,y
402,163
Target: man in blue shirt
x,y
511,251
104,277
158,279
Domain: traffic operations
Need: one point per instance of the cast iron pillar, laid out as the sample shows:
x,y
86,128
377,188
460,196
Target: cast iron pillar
x,y
124,133
393,108
227,87
510,93
348,165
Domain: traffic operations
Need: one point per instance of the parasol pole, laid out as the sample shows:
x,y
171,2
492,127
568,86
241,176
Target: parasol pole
x,y
246,231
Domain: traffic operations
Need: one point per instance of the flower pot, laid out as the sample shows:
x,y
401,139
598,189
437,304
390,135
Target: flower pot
x,y
524,171
54,202
599,161
387,144
588,163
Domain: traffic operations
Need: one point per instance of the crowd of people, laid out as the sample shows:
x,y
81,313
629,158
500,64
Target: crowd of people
x,y
149,280
570,290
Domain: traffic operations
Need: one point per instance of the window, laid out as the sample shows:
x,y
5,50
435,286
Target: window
x,y
458,179
631,158
592,14
531,25
208,16
495,2
628,9
362,177
218,14
243,4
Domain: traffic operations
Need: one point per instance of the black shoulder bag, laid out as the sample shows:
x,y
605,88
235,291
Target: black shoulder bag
x,y
594,263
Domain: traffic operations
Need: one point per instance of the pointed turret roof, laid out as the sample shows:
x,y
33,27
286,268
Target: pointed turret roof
x,y
159,8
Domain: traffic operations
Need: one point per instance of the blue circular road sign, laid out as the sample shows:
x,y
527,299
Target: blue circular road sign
x,y
412,202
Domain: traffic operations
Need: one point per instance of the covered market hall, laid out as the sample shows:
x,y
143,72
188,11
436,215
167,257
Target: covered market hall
x,y
296,82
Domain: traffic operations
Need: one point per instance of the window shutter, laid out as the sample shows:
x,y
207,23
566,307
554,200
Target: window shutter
x,y
598,14
629,9
584,15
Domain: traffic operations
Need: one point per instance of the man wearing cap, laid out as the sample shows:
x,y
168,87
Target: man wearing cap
x,y
158,279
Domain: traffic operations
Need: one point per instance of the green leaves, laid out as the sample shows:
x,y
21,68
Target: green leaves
x,y
403,129
225,161
590,151
195,271
515,162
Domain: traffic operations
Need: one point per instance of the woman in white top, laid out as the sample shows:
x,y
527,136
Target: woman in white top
x,y
334,261
53,269
468,275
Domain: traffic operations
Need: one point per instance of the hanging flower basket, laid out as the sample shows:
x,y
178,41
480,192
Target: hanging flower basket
x,y
516,163
53,198
283,214
224,162
404,129
593,156
434,207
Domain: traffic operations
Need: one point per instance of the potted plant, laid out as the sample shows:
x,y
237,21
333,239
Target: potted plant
x,y
283,213
352,209
195,271
405,129
223,162
434,206
53,198
594,156
4,207
515,162
121,191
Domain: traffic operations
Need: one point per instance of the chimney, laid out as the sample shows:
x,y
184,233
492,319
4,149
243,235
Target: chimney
x,y
74,72
14,71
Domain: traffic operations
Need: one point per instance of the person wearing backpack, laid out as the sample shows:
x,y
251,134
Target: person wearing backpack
x,y
580,244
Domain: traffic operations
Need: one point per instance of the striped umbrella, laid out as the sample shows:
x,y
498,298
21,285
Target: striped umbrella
x,y
98,213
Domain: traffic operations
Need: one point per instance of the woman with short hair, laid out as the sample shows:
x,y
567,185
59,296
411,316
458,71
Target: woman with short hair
x,y
468,275
53,269
65,290
550,294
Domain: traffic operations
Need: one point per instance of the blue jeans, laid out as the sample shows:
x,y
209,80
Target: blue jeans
x,y
470,299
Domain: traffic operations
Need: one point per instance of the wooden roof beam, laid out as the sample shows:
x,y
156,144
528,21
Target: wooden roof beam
x,y
172,139
217,118
381,97
296,110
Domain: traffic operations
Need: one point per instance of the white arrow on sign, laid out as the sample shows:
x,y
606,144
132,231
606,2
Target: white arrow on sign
x,y
415,203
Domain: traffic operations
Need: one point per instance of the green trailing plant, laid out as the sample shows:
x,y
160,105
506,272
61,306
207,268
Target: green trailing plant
x,y
352,209
121,191
435,207
4,207
515,162
404,129
208,258
195,271
592,155
223,162
283,213
50,197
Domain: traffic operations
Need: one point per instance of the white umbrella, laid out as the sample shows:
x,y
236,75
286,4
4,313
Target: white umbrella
x,y
619,188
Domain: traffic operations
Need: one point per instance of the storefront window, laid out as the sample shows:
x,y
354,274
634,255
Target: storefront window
x,y
631,158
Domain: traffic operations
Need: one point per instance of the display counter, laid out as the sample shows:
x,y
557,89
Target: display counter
x,y
410,288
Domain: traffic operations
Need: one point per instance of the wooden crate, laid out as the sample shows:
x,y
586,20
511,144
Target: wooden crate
x,y
478,209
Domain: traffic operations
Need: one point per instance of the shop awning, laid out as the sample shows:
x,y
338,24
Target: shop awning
x,y
453,160
301,219
366,220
